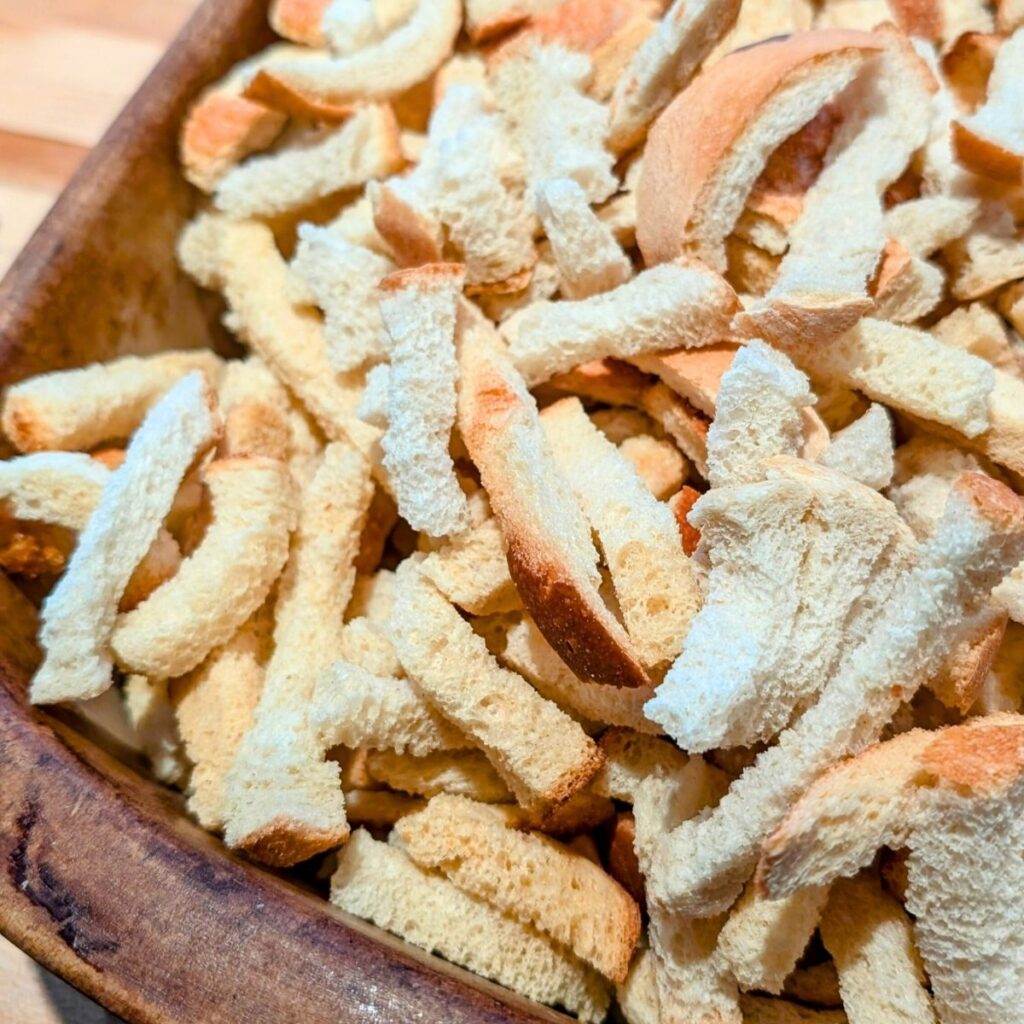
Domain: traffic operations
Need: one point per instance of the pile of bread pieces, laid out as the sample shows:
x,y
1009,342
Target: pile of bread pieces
x,y
607,555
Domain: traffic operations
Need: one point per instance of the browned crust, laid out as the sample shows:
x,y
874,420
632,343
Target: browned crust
x,y
404,230
428,277
683,157
578,813
268,89
299,20
681,503
993,501
804,318
380,521
968,65
895,261
283,843
695,374
983,761
112,458
972,670
605,380
509,286
986,157
623,865
919,18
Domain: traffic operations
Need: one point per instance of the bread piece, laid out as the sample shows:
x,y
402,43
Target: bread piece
x,y
1003,687
980,331
342,279
1009,595
763,1010
402,59
677,304
283,800
682,422
539,91
223,581
214,707
979,637
550,554
906,287
418,310
702,865
906,369
885,121
693,982
758,414
464,773
694,185
863,451
62,488
693,373
869,936
762,939
471,570
353,707
658,462
364,147
637,996
589,258
758,22
631,757
151,718
623,865
81,409
289,340
530,877
1010,303
488,18
540,752
990,142
256,411
528,653
681,505
988,257
379,883
79,615
927,224
656,589
611,381
351,25
801,565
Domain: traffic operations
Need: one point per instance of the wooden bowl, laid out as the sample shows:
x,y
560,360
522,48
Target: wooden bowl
x,y
104,880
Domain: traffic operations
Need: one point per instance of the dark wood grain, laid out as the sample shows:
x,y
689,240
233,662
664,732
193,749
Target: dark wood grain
x,y
102,878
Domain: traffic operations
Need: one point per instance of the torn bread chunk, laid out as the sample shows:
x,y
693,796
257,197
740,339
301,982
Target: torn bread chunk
x,y
871,940
695,374
256,410
952,797
589,258
70,410
288,339
863,451
758,414
930,222
637,996
905,287
885,120
594,704
658,462
354,707
801,564
365,147
283,801
530,877
687,427
981,331
676,304
979,637
405,57
991,141
694,184
214,707
224,581
539,91
342,279
542,754
655,586
463,773
53,487
762,939
550,553
79,615
702,865
631,757
419,310
987,257
155,730
381,884
664,65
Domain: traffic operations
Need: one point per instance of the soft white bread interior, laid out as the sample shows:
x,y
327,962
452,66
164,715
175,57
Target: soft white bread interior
x,y
863,451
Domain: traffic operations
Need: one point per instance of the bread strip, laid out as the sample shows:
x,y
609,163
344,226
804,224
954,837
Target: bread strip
x,y
79,615
654,582
531,878
464,773
283,800
869,936
540,752
702,865
380,884
256,411
550,554
528,653
418,309
762,939
664,65
289,340
684,424
223,581
81,409
631,757
402,59
678,304
62,488
214,706
694,374
991,142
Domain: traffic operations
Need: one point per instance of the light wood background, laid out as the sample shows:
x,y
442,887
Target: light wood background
x,y
66,69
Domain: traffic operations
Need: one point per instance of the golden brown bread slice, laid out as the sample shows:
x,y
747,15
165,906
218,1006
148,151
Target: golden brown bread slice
x,y
550,554
463,773
62,488
530,877
381,884
79,615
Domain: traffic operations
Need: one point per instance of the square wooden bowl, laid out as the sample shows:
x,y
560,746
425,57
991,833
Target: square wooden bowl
x,y
103,878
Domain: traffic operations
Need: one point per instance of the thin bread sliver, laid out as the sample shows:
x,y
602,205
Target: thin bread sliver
x,y
79,615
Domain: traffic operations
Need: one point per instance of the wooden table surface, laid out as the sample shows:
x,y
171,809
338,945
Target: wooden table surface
x,y
66,69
